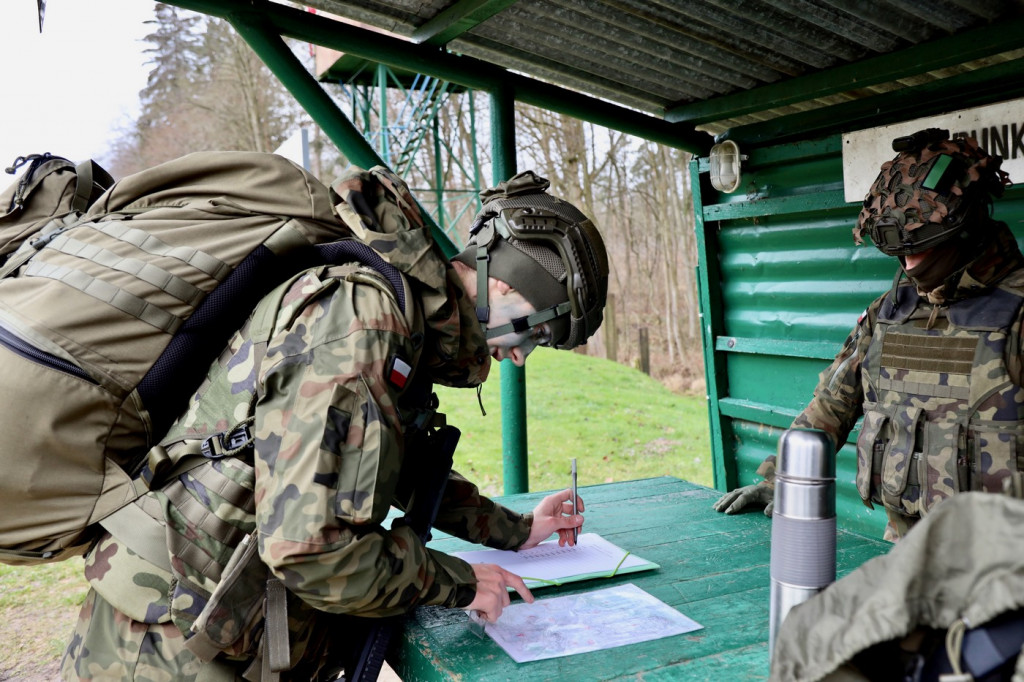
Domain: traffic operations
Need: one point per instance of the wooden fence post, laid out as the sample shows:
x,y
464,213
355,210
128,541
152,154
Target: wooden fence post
x,y
645,352
611,332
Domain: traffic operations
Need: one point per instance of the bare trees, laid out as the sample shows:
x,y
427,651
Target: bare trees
x,y
206,90
638,193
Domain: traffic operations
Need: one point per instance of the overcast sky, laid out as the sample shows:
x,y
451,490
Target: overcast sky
x,y
68,90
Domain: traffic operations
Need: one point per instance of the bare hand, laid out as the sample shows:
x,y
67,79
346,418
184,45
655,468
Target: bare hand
x,y
749,495
554,515
492,596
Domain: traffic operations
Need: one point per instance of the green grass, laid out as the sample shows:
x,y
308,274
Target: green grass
x,y
38,608
617,422
27,586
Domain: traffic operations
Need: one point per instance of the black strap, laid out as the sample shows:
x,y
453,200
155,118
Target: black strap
x,y
348,250
91,181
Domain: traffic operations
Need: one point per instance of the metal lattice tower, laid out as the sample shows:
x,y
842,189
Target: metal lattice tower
x,y
422,128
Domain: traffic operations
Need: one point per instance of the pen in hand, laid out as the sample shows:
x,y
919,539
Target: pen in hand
x,y
575,530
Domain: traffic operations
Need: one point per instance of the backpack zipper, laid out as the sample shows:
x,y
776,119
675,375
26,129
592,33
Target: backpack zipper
x,y
19,346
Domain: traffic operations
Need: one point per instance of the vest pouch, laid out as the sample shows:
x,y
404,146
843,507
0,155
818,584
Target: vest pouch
x,y
993,454
230,621
898,457
871,444
938,471
216,593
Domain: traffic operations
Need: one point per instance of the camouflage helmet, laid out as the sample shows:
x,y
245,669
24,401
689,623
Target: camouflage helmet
x,y
935,189
546,249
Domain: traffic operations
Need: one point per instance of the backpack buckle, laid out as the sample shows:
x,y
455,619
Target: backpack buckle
x,y
221,445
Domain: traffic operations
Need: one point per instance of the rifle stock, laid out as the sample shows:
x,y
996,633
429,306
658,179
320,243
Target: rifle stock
x,y
432,466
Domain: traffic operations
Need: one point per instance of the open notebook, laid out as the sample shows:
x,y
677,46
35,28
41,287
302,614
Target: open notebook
x,y
549,564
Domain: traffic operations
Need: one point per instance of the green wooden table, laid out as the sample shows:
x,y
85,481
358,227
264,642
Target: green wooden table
x,y
714,569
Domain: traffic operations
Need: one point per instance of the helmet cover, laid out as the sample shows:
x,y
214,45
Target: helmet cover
x,y
935,189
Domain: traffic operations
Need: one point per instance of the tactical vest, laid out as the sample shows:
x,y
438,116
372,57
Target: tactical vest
x,y
942,414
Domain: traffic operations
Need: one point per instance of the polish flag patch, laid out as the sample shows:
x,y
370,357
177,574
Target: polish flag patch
x,y
399,373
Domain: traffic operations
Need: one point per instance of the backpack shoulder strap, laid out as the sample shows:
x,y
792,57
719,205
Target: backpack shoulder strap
x,y
91,180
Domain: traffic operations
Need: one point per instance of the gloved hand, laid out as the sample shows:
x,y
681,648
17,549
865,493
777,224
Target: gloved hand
x,y
741,498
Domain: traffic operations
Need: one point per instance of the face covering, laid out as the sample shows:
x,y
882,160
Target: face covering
x,y
937,266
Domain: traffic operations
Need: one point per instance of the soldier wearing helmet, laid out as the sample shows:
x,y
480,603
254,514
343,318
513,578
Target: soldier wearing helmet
x,y
340,392
934,365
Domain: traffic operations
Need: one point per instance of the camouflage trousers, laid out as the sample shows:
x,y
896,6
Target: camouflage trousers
x,y
108,645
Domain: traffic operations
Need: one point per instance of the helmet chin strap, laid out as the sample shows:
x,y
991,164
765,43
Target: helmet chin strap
x,y
521,324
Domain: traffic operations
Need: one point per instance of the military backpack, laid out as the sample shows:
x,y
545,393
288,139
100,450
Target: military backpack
x,y
113,305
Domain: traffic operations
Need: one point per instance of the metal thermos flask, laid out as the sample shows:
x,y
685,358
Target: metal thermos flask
x,y
803,557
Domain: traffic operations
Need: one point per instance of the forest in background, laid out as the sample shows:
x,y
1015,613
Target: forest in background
x,y
207,90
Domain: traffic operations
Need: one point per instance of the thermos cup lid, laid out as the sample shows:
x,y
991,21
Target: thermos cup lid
x,y
805,453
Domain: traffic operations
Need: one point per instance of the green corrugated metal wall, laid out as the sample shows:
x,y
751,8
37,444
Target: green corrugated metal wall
x,y
781,286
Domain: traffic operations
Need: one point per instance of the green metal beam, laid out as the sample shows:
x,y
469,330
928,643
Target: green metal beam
x,y
974,88
816,350
758,413
773,206
457,19
937,54
466,71
310,94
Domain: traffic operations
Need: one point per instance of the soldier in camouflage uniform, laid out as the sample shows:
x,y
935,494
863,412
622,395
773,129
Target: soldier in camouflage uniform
x,y
934,365
322,377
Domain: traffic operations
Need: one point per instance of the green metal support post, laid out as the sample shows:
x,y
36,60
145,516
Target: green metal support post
x,y
709,280
439,172
382,91
513,379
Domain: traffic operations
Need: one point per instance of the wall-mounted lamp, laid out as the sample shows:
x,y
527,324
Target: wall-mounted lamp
x,y
725,159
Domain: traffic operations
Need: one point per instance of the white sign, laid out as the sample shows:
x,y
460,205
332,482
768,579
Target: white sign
x,y
296,148
998,128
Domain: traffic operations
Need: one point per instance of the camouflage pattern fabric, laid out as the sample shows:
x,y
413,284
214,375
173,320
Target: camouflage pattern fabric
x,y
329,449
377,206
938,386
108,645
898,193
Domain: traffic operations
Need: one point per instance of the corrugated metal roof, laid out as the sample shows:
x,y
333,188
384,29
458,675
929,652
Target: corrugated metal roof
x,y
714,64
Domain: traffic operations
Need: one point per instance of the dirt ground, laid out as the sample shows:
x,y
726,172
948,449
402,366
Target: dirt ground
x,y
31,644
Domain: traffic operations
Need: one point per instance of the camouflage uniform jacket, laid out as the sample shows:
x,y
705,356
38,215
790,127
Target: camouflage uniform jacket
x,y
937,379
329,450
